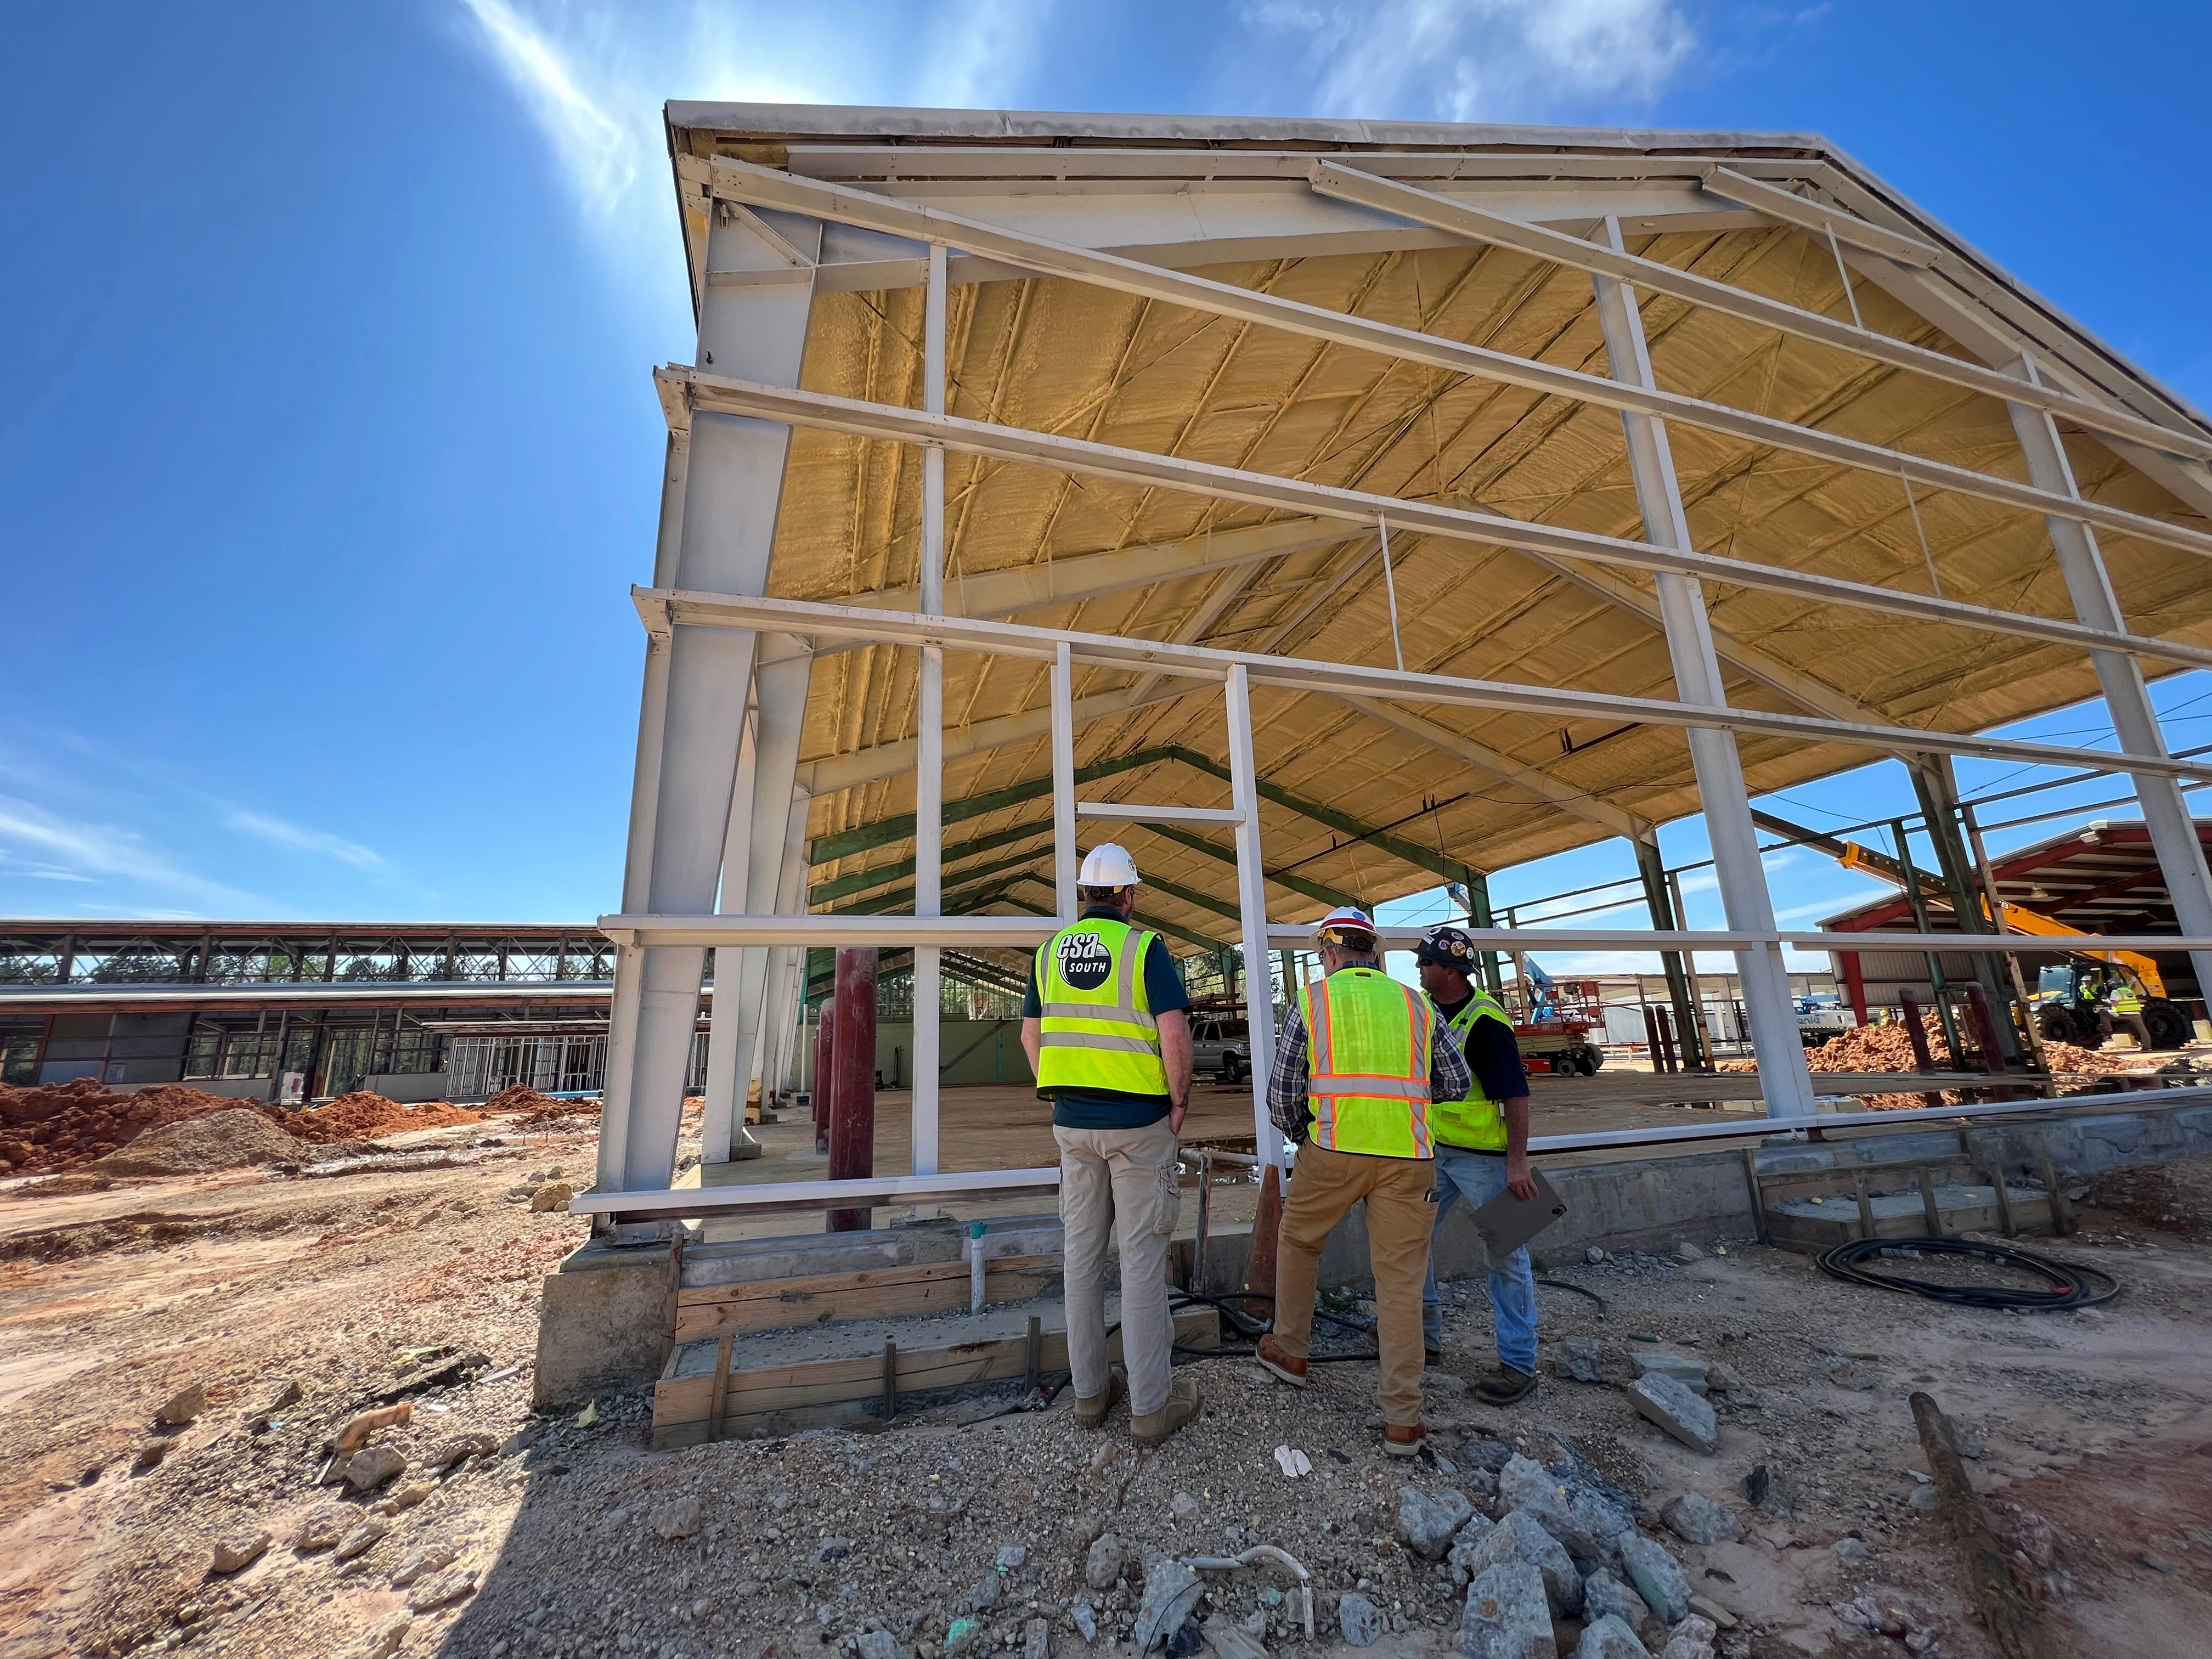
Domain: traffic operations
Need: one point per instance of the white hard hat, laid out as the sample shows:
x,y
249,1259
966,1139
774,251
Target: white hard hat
x,y
1346,921
1107,866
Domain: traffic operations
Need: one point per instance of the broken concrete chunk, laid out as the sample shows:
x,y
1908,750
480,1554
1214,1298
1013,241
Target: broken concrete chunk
x,y
1689,1372
1686,1252
442,1590
1360,1621
1580,1360
1171,1592
553,1195
417,1563
1696,1519
1508,1615
1518,1537
1609,1637
1108,1561
151,1451
387,1635
446,1453
321,1528
236,1554
1036,1639
1666,1402
1605,1595
1691,1639
182,1406
679,1519
1477,1529
882,1645
1426,1524
1657,1576
371,1467
359,1539
1712,1612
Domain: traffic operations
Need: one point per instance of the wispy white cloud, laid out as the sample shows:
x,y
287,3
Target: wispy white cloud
x,y
591,78
1470,60
74,849
283,832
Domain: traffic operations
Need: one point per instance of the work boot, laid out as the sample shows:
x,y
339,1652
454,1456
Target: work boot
x,y
1091,1413
1503,1385
1404,1439
1182,1405
1271,1354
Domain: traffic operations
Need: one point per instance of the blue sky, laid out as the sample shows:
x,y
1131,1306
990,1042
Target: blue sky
x,y
327,446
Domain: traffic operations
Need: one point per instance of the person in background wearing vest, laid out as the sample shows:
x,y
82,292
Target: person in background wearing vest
x,y
1104,1029
1356,1063
1482,1149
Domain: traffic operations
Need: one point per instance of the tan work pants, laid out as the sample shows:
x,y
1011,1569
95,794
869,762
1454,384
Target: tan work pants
x,y
1400,1195
1125,1181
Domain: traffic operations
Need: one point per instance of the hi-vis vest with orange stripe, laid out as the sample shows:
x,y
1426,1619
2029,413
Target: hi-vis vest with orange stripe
x,y
1369,1042
1477,1122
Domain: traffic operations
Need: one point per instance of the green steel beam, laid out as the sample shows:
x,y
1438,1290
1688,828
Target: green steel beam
x,y
825,849
863,880
1152,922
1312,889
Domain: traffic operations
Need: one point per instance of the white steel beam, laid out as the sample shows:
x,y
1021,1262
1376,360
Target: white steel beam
x,y
1209,663
1069,578
1342,182
1544,787
1252,910
1787,1083
1140,467
1064,868
2134,717
1818,217
929,735
733,489
745,182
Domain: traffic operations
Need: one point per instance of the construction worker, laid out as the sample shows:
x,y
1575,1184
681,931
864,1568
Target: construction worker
x,y
1356,1063
1105,1031
1482,1149
2126,1005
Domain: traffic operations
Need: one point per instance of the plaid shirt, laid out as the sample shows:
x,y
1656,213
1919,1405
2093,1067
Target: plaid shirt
x,y
1291,1108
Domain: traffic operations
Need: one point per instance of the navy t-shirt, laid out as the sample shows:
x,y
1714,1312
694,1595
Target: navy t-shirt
x,y
1115,1108
1493,1053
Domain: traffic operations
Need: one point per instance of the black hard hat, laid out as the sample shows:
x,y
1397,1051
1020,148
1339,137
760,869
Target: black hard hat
x,y
1447,947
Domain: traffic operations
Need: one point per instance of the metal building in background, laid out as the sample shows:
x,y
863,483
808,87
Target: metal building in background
x,y
1332,509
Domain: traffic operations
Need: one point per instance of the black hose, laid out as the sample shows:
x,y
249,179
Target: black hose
x,y
2072,1284
1251,1330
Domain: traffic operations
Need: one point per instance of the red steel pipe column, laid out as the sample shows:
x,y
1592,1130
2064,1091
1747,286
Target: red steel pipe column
x,y
853,1094
824,1052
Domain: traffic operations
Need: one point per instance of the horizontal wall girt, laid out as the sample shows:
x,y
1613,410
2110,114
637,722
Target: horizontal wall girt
x,y
743,181
1352,680
891,425
1343,183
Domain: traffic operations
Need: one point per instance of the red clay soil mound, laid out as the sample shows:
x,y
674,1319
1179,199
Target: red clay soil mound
x,y
537,1110
362,1116
56,1126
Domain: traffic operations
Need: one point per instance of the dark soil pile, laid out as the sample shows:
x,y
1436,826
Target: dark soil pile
x,y
194,1145
58,1124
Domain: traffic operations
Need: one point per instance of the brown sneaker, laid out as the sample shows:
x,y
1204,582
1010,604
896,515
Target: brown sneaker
x,y
1271,1354
1503,1385
1091,1413
1153,1427
1405,1439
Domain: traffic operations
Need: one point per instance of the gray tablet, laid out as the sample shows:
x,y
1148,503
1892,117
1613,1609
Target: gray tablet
x,y
1507,1223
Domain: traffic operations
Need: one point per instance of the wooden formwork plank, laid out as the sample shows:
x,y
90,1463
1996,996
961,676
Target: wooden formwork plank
x,y
889,1293
758,1392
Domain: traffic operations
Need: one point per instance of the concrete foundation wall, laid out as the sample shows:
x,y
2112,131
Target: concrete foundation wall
x,y
407,1087
971,1051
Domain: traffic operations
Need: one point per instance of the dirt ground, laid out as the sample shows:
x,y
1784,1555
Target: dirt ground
x,y
416,1277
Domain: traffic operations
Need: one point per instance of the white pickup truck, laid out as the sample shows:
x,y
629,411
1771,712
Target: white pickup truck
x,y
1820,1017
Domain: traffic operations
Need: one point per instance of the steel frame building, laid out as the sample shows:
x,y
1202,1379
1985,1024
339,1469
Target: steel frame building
x,y
1509,488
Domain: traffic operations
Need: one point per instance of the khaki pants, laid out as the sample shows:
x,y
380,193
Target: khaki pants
x,y
1128,1182
1400,1195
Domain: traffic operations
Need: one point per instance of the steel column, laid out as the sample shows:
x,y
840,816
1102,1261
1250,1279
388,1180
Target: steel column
x,y
728,525
1659,902
1251,907
1063,783
929,738
1768,1009
2134,717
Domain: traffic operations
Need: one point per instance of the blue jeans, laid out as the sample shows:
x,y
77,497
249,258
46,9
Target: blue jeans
x,y
1481,1176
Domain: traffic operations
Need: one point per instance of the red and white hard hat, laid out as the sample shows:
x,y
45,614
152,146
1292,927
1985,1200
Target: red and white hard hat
x,y
1347,919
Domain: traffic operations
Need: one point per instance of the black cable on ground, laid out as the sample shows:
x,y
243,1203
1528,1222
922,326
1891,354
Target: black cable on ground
x,y
1251,1330
2072,1284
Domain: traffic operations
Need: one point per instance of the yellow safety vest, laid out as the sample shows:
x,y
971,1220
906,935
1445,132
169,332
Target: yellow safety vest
x,y
1098,1029
1476,1122
2126,999
1369,1040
